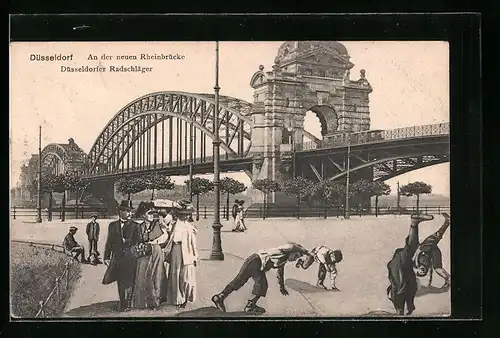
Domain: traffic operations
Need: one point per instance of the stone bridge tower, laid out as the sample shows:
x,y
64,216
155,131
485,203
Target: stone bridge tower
x,y
307,76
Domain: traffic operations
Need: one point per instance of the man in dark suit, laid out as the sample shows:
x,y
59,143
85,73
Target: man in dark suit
x,y
122,234
92,231
402,277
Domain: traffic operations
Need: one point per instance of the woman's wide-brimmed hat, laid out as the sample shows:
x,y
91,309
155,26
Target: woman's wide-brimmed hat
x,y
183,207
125,205
241,202
143,208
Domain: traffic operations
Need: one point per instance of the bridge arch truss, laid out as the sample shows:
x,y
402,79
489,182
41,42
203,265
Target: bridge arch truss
x,y
382,161
167,129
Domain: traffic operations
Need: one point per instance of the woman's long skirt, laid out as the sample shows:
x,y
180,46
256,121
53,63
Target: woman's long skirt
x,y
150,288
239,224
182,279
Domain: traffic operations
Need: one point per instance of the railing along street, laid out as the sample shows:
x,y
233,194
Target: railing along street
x,y
64,276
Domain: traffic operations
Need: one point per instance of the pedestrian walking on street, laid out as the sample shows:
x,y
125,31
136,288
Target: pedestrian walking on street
x,y
239,222
181,253
122,235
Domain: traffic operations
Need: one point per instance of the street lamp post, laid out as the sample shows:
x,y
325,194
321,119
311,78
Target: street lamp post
x,y
216,253
39,186
346,215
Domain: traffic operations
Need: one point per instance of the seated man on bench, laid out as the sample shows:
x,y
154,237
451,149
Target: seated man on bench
x,y
72,247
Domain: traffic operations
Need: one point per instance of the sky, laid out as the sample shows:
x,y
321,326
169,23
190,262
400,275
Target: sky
x,y
410,82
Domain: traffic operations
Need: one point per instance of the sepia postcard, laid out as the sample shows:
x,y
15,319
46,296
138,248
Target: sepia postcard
x,y
290,179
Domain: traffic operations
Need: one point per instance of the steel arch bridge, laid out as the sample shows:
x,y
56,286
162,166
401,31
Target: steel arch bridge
x,y
382,154
58,158
143,134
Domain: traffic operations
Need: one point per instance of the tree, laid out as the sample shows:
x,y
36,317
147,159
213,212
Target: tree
x,y
130,185
231,187
47,186
199,187
299,187
60,185
326,192
379,188
157,181
416,189
75,184
266,186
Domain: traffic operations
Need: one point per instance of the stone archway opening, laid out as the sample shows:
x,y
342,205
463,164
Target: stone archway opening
x,y
316,122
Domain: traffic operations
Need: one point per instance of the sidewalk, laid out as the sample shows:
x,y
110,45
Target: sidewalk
x,y
367,246
93,299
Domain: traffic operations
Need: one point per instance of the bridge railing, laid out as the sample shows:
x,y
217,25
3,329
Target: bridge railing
x,y
53,302
342,140
183,162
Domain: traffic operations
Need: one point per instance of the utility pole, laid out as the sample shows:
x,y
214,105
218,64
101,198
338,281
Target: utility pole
x,y
398,197
191,163
346,215
39,186
216,244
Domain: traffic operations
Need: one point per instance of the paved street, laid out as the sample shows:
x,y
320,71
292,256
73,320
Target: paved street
x,y
367,244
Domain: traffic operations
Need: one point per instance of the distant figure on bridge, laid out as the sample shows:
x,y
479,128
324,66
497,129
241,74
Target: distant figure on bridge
x,y
122,235
256,266
428,256
239,222
327,259
92,231
403,280
72,246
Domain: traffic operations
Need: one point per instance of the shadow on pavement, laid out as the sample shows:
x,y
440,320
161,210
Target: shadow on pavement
x,y
212,311
96,309
425,290
380,313
303,287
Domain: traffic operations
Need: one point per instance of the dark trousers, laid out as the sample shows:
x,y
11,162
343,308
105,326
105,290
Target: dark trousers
x,y
406,297
125,294
251,268
92,246
321,273
79,251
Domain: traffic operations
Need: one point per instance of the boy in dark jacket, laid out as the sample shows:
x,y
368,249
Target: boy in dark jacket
x,y
92,231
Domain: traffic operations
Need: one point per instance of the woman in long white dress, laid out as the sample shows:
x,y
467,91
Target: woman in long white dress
x,y
182,256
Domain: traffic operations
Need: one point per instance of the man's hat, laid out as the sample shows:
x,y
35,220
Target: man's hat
x,y
72,228
125,205
93,215
241,202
